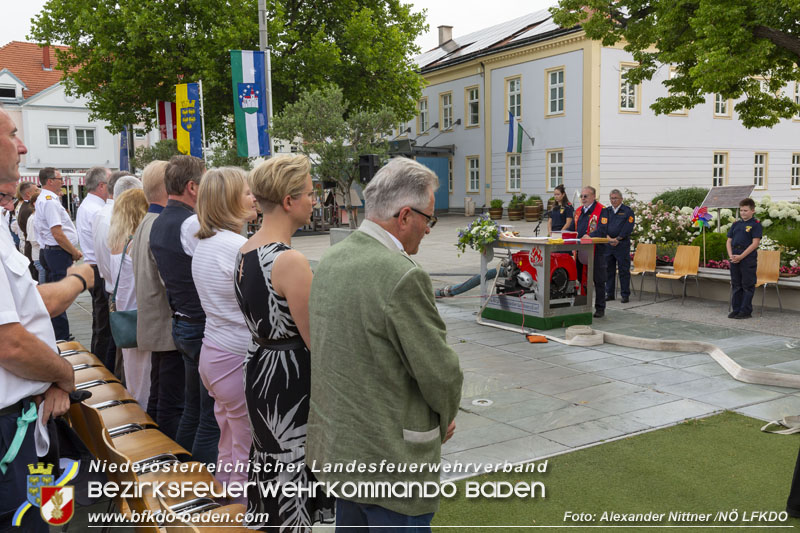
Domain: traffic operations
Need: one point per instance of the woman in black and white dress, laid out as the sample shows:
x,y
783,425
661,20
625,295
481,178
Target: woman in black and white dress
x,y
272,287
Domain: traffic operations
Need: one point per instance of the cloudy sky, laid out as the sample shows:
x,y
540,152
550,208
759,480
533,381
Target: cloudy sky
x,y
464,15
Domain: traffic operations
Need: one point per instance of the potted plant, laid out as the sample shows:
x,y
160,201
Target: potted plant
x,y
516,206
551,203
496,209
533,208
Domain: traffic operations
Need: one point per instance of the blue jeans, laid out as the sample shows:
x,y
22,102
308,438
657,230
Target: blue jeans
x,y
57,261
41,271
198,430
377,519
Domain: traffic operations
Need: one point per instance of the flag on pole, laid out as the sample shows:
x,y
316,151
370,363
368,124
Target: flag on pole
x,y
514,135
166,119
248,77
124,163
190,130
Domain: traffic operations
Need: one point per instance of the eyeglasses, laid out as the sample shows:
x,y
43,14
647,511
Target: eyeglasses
x,y
584,196
6,197
432,219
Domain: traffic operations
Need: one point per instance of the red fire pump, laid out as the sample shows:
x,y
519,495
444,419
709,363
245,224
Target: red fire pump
x,y
521,277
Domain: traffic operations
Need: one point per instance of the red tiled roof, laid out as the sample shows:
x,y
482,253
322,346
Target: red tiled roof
x,y
25,61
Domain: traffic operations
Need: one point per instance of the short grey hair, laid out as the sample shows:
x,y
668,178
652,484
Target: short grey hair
x,y
94,177
112,181
615,191
126,183
401,182
590,188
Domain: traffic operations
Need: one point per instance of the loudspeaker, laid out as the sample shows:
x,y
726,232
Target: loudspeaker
x,y
367,167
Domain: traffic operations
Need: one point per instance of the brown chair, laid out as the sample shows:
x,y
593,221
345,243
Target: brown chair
x,y
223,520
84,358
769,271
687,261
92,376
143,446
125,418
70,347
644,261
109,394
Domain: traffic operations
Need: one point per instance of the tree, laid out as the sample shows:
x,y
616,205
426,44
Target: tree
x,y
334,135
160,151
226,155
716,46
126,54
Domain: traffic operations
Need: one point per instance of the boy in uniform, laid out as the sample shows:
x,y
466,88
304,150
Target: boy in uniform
x,y
743,240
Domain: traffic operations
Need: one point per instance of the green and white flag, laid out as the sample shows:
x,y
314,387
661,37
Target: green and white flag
x,y
248,77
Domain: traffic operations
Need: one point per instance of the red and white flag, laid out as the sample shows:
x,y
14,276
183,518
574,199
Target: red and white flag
x,y
167,125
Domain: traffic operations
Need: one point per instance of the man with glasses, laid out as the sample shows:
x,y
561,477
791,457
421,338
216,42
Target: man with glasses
x,y
591,220
620,226
57,237
385,385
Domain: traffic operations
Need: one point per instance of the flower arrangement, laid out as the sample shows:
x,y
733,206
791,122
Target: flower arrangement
x,y
481,232
724,264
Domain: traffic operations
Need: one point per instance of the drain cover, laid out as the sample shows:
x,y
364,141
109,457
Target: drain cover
x,y
483,402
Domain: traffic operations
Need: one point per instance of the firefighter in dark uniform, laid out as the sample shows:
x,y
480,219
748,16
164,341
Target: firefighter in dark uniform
x,y
743,240
562,214
618,252
590,219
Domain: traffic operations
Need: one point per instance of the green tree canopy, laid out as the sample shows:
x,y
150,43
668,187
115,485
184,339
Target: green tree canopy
x,y
716,46
333,134
126,54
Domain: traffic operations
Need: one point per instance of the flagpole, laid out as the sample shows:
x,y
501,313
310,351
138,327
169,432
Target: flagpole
x,y
263,45
203,121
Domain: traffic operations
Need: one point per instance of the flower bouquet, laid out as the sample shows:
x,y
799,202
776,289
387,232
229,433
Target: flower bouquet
x,y
481,232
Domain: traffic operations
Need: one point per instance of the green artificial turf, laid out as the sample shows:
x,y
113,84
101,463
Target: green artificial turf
x,y
721,463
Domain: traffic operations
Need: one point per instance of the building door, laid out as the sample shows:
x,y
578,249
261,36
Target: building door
x,y
439,166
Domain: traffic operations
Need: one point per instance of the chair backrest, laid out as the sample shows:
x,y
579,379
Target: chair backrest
x,y
127,474
95,427
644,258
687,260
769,266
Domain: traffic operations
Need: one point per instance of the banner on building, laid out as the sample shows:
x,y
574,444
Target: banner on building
x,y
514,135
190,129
167,125
248,76
124,163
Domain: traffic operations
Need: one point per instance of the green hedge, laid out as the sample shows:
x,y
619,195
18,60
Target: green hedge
x,y
715,246
688,197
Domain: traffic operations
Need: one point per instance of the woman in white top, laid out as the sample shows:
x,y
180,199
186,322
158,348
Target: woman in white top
x,y
224,205
129,210
31,238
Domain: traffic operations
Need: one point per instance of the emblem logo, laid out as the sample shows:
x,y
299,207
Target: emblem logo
x,y
188,114
604,220
630,219
40,475
58,504
249,97
535,257
748,228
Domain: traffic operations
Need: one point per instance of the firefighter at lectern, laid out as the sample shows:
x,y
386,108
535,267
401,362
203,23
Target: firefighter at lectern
x,y
591,219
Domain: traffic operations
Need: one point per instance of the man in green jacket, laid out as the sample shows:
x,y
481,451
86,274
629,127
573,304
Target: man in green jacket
x,y
385,385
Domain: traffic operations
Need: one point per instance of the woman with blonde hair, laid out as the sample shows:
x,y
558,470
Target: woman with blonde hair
x,y
272,284
224,205
129,210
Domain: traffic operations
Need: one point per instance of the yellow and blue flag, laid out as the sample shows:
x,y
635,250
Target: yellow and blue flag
x,y
190,130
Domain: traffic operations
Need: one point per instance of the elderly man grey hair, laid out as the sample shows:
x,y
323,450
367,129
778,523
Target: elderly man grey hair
x,y
126,183
401,182
96,176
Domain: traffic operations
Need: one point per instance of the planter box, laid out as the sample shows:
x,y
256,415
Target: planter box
x,y
515,214
495,213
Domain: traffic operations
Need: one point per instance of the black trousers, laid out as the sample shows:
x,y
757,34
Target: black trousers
x,y
598,277
743,284
56,262
101,328
619,256
793,503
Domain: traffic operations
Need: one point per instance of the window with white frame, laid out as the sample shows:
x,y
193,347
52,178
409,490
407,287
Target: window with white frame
x,y
473,174
84,137
795,170
760,170
58,136
450,174
673,73
446,107
514,164
422,118
473,106
555,91
555,169
514,91
628,92
719,169
720,106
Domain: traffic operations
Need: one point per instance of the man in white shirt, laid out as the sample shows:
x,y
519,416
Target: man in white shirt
x,y
96,183
31,372
119,182
57,237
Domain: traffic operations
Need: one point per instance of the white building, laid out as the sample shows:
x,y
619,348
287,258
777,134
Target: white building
x,y
589,126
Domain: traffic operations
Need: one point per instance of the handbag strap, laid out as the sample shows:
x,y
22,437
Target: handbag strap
x,y
121,262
